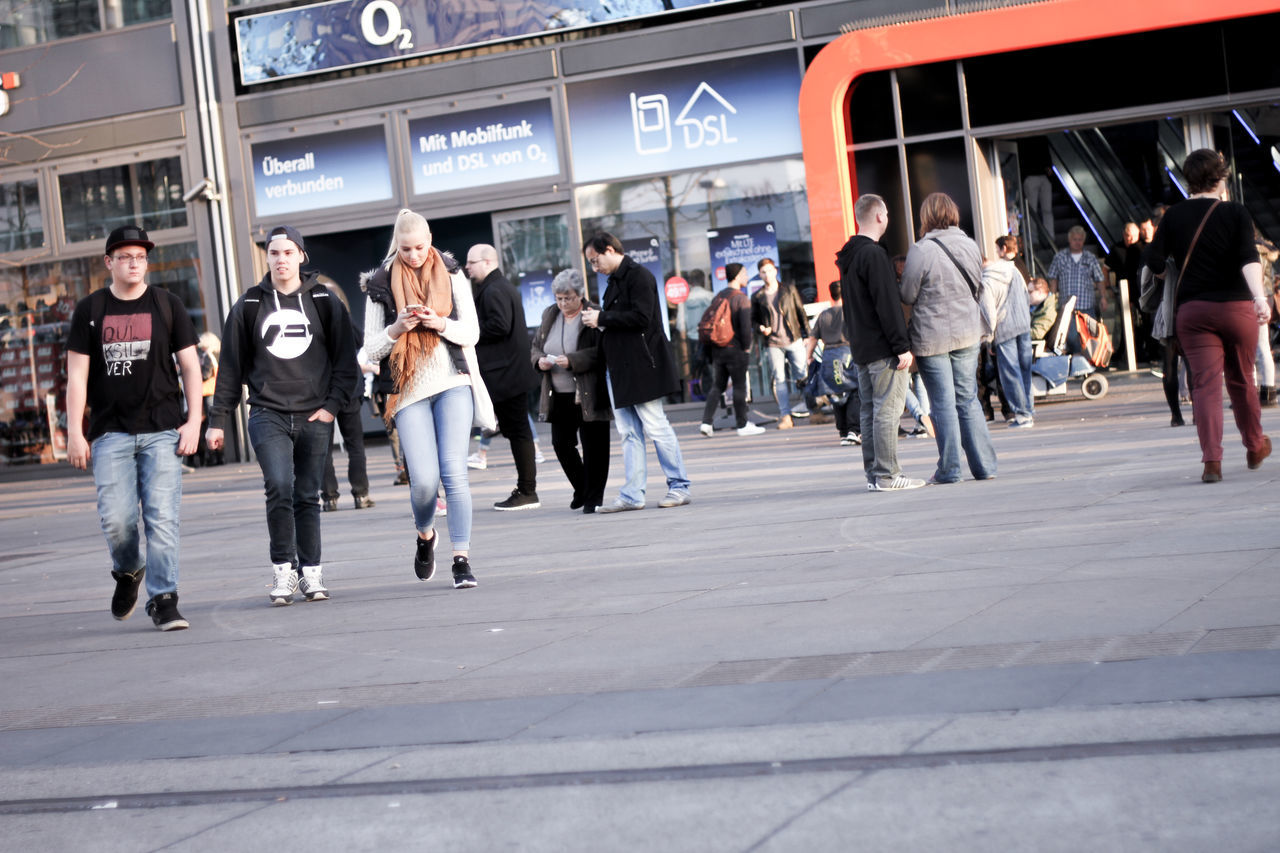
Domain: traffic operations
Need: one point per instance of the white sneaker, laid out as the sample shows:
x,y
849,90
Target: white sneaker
x,y
537,455
707,430
284,584
751,429
851,439
475,460
312,584
897,484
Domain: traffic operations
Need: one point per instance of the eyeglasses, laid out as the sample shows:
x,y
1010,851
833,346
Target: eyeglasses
x,y
130,259
567,297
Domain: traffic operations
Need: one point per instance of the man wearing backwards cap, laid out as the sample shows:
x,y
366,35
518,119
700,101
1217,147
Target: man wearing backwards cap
x,y
290,341
124,338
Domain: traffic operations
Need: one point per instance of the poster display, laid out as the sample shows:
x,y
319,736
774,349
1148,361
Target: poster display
x,y
327,170
741,244
455,151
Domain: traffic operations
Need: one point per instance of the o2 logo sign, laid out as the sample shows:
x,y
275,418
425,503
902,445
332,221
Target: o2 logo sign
x,y
703,122
380,23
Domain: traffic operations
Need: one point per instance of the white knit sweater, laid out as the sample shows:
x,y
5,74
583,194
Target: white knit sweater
x,y
438,374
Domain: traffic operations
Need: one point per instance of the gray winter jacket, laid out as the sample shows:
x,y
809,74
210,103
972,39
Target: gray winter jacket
x,y
1005,292
944,314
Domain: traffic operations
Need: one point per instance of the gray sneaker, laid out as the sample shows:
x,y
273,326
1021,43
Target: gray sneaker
x,y
675,498
899,483
620,505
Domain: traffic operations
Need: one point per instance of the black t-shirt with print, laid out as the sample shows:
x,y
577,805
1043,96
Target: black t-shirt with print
x,y
133,382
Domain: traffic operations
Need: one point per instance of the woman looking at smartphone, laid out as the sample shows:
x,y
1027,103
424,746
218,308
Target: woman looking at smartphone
x,y
420,311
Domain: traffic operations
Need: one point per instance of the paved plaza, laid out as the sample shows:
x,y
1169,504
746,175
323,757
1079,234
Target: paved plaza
x,y
1082,654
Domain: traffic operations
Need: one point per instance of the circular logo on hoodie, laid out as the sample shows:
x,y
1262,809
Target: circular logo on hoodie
x,y
287,333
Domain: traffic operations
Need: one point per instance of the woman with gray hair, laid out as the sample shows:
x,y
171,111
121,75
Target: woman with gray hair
x,y
573,397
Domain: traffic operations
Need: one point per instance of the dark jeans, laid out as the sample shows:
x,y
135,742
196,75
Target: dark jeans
x,y
589,472
291,452
513,422
848,414
351,425
728,363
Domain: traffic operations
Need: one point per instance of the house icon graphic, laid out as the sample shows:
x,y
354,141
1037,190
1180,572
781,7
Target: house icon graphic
x,y
705,118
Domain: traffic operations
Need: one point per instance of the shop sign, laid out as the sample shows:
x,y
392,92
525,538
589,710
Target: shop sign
x,y
455,151
536,295
741,244
647,252
326,170
690,117
346,33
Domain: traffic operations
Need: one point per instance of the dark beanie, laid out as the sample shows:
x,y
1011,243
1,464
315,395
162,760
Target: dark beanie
x,y
731,271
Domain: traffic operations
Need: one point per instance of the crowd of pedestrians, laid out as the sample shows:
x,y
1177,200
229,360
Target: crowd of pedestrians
x,y
447,352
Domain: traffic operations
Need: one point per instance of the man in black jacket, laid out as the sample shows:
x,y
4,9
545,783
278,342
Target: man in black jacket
x,y
639,371
290,341
503,353
729,362
877,333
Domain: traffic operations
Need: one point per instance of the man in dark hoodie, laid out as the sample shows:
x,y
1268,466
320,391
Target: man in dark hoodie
x,y
877,333
290,341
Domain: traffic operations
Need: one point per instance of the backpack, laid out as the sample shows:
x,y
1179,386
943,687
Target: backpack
x,y
716,324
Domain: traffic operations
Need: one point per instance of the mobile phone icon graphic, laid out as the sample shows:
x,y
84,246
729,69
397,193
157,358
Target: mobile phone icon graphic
x,y
651,122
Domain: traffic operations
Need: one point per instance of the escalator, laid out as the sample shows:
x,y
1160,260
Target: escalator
x,y
1252,142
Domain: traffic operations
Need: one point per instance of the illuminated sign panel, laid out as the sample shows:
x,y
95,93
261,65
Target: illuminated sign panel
x,y
326,170
513,142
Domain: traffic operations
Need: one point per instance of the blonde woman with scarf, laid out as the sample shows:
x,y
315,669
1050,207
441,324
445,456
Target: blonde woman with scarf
x,y
421,314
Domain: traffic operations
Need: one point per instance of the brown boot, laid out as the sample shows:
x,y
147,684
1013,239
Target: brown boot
x,y
784,422
1212,472
1255,459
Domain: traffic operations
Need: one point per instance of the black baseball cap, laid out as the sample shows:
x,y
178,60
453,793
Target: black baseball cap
x,y
128,235
287,232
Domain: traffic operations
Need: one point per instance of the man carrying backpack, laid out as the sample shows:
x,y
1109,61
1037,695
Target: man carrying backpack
x,y
290,341
726,329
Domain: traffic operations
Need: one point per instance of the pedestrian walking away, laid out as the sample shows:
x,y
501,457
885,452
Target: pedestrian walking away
x,y
639,371
573,397
289,340
729,360
121,349
350,424
1219,304
420,314
503,351
877,333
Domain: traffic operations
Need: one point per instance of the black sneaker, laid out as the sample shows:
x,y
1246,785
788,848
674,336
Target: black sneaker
x,y
462,577
329,504
125,597
424,560
163,610
518,500
363,501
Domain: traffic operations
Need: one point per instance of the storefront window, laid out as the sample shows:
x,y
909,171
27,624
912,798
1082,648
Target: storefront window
x,y
36,302
148,194
21,226
25,22
681,209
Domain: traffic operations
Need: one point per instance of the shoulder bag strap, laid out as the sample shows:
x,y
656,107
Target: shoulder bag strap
x,y
973,288
1186,260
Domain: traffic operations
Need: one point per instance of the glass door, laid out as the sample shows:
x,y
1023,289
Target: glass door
x,y
533,245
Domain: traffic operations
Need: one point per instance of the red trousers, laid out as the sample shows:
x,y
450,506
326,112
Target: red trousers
x,y
1220,338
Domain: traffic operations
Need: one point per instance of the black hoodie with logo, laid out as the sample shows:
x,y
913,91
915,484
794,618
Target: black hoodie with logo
x,y
296,352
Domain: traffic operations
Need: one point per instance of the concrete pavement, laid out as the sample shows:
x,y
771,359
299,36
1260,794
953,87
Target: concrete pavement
x,y
1083,651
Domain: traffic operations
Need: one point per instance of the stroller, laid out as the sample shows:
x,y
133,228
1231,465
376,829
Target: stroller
x,y
1072,357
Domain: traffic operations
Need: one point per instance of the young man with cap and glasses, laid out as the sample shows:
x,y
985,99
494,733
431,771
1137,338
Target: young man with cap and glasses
x,y
290,341
120,353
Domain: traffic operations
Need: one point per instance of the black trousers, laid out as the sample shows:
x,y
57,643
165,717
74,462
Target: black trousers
x,y
513,422
588,472
727,363
848,414
351,426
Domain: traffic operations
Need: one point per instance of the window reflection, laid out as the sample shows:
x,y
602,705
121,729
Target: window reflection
x,y
21,226
26,22
148,194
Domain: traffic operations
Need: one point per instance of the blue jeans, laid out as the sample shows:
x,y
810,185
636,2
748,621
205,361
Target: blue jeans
x,y
951,379
434,434
291,451
883,390
1013,363
779,357
140,470
633,423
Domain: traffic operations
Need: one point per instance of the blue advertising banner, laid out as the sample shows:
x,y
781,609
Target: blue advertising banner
x,y
689,117
513,142
536,294
647,252
741,244
326,170
345,33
